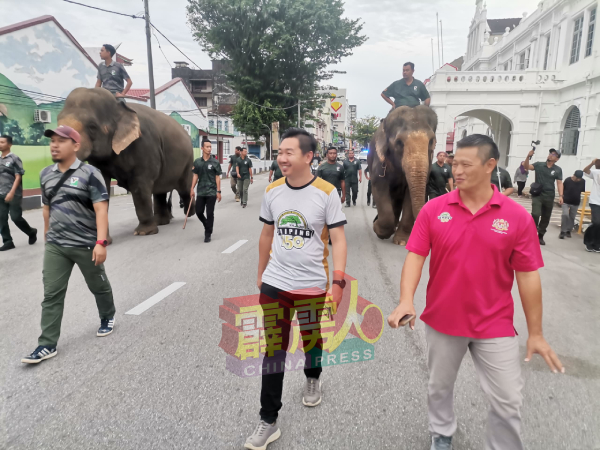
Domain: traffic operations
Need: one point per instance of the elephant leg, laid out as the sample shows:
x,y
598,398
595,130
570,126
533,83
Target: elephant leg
x,y
141,191
162,213
406,221
107,181
384,224
185,185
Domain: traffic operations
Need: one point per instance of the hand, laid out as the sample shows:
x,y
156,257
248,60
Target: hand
x,y
530,154
269,179
9,197
192,193
259,282
335,293
119,94
343,198
360,181
251,180
537,344
218,197
401,310
560,200
99,254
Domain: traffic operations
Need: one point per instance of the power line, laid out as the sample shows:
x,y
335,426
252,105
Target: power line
x,y
169,41
133,16
161,50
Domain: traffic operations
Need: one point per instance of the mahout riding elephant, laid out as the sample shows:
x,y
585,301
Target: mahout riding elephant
x,y
146,151
399,161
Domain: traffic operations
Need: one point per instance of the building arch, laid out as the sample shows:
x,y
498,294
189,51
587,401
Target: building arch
x,y
569,134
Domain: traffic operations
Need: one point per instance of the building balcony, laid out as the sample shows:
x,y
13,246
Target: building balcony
x,y
494,80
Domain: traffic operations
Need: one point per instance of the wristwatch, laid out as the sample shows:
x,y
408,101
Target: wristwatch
x,y
341,283
103,243
218,192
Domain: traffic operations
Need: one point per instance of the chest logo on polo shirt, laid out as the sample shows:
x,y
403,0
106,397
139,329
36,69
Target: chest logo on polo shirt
x,y
338,168
294,229
73,181
210,166
500,226
415,88
552,173
7,164
113,72
445,217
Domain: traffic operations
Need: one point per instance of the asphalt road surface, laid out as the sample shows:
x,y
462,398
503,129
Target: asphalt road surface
x,y
159,381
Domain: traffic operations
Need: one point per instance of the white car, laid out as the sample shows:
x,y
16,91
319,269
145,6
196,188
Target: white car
x,y
362,156
253,157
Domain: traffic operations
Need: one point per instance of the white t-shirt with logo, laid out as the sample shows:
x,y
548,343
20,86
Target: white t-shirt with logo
x,y
302,217
595,190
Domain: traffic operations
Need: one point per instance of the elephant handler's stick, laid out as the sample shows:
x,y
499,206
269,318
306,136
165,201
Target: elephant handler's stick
x,y
187,213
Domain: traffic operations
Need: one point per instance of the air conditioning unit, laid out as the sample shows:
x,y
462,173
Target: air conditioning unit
x,y
42,115
187,128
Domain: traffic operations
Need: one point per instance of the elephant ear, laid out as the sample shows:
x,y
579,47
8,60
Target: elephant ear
x,y
381,142
432,118
128,128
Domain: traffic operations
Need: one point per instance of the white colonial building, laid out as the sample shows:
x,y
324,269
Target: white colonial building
x,y
536,77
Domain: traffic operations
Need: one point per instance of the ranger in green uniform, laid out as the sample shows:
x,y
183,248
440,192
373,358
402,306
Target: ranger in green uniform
x,y
231,169
207,173
546,173
333,172
439,175
506,186
274,172
368,177
243,166
353,169
11,195
408,91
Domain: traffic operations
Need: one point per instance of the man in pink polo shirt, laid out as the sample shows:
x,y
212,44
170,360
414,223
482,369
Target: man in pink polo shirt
x,y
483,239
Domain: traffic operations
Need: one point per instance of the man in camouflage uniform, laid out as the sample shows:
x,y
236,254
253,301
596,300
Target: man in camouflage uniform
x,y
76,228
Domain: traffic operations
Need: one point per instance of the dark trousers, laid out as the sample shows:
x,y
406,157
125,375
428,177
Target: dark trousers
x,y
15,211
541,211
272,383
207,203
351,187
595,213
58,265
369,191
520,187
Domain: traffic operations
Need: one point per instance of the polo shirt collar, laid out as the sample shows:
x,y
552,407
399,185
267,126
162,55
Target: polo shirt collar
x,y
9,153
75,165
496,200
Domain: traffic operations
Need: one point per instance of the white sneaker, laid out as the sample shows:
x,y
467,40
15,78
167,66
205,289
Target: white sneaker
x,y
263,435
312,392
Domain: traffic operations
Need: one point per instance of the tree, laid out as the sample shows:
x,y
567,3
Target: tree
x,y
364,129
35,134
279,51
11,128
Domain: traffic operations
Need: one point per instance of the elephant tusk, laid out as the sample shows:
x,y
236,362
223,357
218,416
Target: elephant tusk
x,y
384,165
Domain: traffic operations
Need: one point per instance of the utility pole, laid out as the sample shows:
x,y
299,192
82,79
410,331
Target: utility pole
x,y
432,58
442,39
437,23
298,113
149,49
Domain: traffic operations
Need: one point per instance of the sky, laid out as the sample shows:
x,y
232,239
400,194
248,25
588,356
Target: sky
x,y
397,31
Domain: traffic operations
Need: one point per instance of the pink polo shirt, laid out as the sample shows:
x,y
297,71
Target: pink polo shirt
x,y
473,260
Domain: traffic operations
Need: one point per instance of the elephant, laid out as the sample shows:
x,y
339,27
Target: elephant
x,y
146,151
399,161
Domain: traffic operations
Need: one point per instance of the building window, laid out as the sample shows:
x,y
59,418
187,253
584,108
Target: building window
x,y
570,134
211,123
577,33
524,60
227,126
202,101
219,125
547,51
590,38
200,85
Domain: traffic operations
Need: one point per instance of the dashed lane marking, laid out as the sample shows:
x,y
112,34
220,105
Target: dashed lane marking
x,y
235,246
147,304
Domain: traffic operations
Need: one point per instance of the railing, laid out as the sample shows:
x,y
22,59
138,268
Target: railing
x,y
490,79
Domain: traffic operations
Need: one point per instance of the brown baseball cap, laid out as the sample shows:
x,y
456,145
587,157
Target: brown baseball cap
x,y
64,131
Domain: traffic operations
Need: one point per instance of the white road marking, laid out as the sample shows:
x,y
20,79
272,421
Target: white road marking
x,y
147,304
235,246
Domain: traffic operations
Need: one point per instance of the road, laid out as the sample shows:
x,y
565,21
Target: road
x,y
159,381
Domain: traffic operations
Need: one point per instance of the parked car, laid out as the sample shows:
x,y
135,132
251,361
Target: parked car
x,y
362,156
253,157
341,156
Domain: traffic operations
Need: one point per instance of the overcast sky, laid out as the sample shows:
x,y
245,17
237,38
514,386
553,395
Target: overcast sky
x,y
398,31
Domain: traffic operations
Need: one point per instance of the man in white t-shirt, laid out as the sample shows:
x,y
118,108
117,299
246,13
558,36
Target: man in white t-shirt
x,y
300,212
592,235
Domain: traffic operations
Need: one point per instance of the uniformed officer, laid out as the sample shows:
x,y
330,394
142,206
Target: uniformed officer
x,y
368,177
274,172
353,169
439,175
546,173
505,186
231,169
408,91
243,166
333,172
76,227
111,74
11,195
207,173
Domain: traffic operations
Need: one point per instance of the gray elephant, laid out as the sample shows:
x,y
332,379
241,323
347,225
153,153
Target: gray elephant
x,y
146,151
399,161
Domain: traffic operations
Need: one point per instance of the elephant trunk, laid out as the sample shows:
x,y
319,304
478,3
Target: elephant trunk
x,y
416,167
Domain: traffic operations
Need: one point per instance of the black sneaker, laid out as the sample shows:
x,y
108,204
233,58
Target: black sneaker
x,y
354,203
542,240
8,246
39,354
592,249
243,205
568,234
347,205
207,238
368,202
562,235
33,237
106,327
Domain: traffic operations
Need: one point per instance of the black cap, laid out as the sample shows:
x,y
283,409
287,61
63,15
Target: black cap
x,y
579,173
553,150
